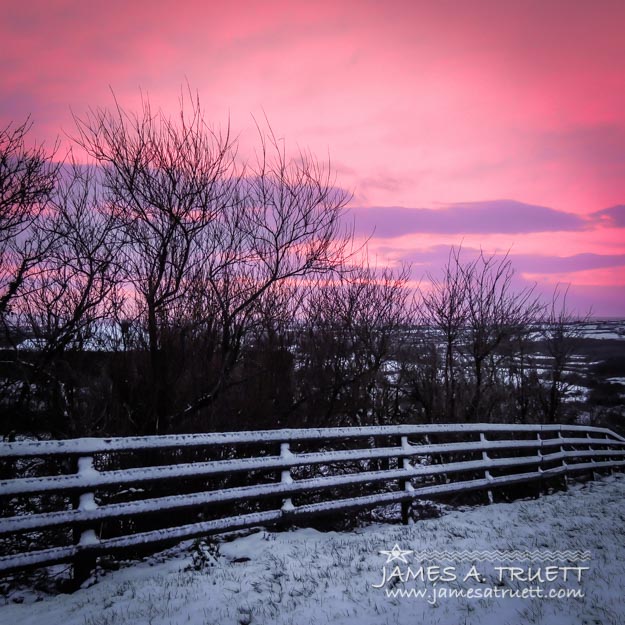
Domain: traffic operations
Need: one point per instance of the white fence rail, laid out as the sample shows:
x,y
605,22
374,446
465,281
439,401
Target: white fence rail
x,y
243,479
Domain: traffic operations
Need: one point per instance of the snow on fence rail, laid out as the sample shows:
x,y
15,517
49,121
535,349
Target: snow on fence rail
x,y
242,479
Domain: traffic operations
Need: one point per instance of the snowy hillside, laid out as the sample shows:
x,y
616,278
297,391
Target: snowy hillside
x,y
305,576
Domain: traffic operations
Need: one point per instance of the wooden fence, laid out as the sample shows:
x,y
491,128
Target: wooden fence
x,y
244,479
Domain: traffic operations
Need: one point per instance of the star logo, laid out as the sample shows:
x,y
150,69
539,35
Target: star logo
x,y
396,553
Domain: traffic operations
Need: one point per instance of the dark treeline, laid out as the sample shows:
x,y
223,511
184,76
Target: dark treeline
x,y
169,287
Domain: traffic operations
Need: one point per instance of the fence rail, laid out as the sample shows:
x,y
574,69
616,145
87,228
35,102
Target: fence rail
x,y
297,473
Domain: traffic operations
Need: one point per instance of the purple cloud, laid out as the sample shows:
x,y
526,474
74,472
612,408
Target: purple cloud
x,y
606,300
613,216
566,264
495,216
437,256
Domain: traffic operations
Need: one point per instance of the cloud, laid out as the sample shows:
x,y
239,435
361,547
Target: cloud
x,y
613,217
594,279
438,255
569,264
529,263
495,216
600,301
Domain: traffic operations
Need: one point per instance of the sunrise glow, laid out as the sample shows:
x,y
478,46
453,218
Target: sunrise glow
x,y
498,125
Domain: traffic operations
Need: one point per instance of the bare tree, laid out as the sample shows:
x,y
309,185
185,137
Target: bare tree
x,y
522,382
476,311
444,312
73,296
561,332
353,324
76,283
27,180
206,240
496,312
165,180
285,227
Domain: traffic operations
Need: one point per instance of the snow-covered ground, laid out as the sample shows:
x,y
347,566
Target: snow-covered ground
x,y
307,577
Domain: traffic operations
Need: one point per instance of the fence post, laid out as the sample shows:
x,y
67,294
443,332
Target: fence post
x,y
539,486
610,458
286,478
405,484
84,563
593,473
565,475
487,474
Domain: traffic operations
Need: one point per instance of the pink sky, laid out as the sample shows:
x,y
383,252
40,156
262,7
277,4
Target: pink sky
x,y
500,124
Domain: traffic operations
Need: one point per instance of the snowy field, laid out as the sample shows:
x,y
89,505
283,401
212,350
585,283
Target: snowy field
x,y
307,577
